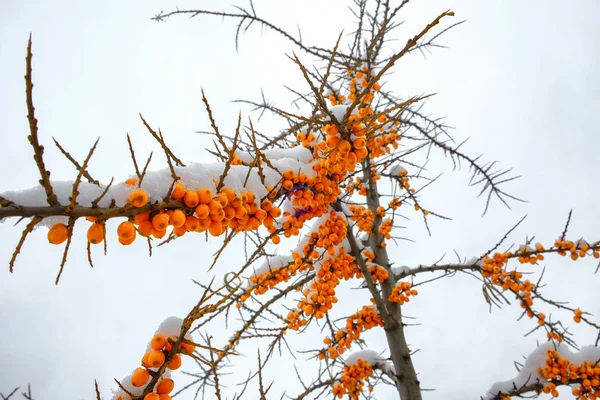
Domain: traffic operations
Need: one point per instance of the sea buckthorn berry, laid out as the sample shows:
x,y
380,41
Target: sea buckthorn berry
x,y
164,397
175,362
91,219
152,396
159,234
165,386
95,233
202,211
138,198
187,347
126,230
160,222
276,239
127,242
168,346
205,195
180,231
191,198
58,233
131,181
192,224
158,342
145,360
141,217
140,377
156,358
146,228
178,192
177,218
216,228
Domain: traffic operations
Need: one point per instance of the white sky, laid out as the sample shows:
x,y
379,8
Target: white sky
x,y
520,79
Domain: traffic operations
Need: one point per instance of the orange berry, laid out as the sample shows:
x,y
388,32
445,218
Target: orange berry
x,y
205,195
168,346
146,228
178,192
276,239
175,362
126,230
141,217
156,358
187,347
260,214
166,386
275,212
177,218
127,242
131,181
192,224
158,342
152,396
180,231
160,222
159,234
216,228
202,211
58,233
164,397
214,207
140,377
91,219
95,233
138,198
191,198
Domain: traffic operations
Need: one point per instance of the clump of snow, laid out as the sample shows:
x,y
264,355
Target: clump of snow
x,y
537,359
373,358
525,248
169,327
127,385
271,263
474,261
339,111
397,170
403,269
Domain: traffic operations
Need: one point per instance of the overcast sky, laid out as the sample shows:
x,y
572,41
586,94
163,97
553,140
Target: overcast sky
x,y
519,78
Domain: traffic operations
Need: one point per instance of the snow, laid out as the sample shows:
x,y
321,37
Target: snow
x,y
373,358
339,111
403,269
271,263
157,183
397,169
537,359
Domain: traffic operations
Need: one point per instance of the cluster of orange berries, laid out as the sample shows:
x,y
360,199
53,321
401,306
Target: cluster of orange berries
x,y
560,369
363,217
353,380
156,358
378,273
356,185
310,197
320,297
493,268
203,212
402,292
576,250
361,77
364,319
